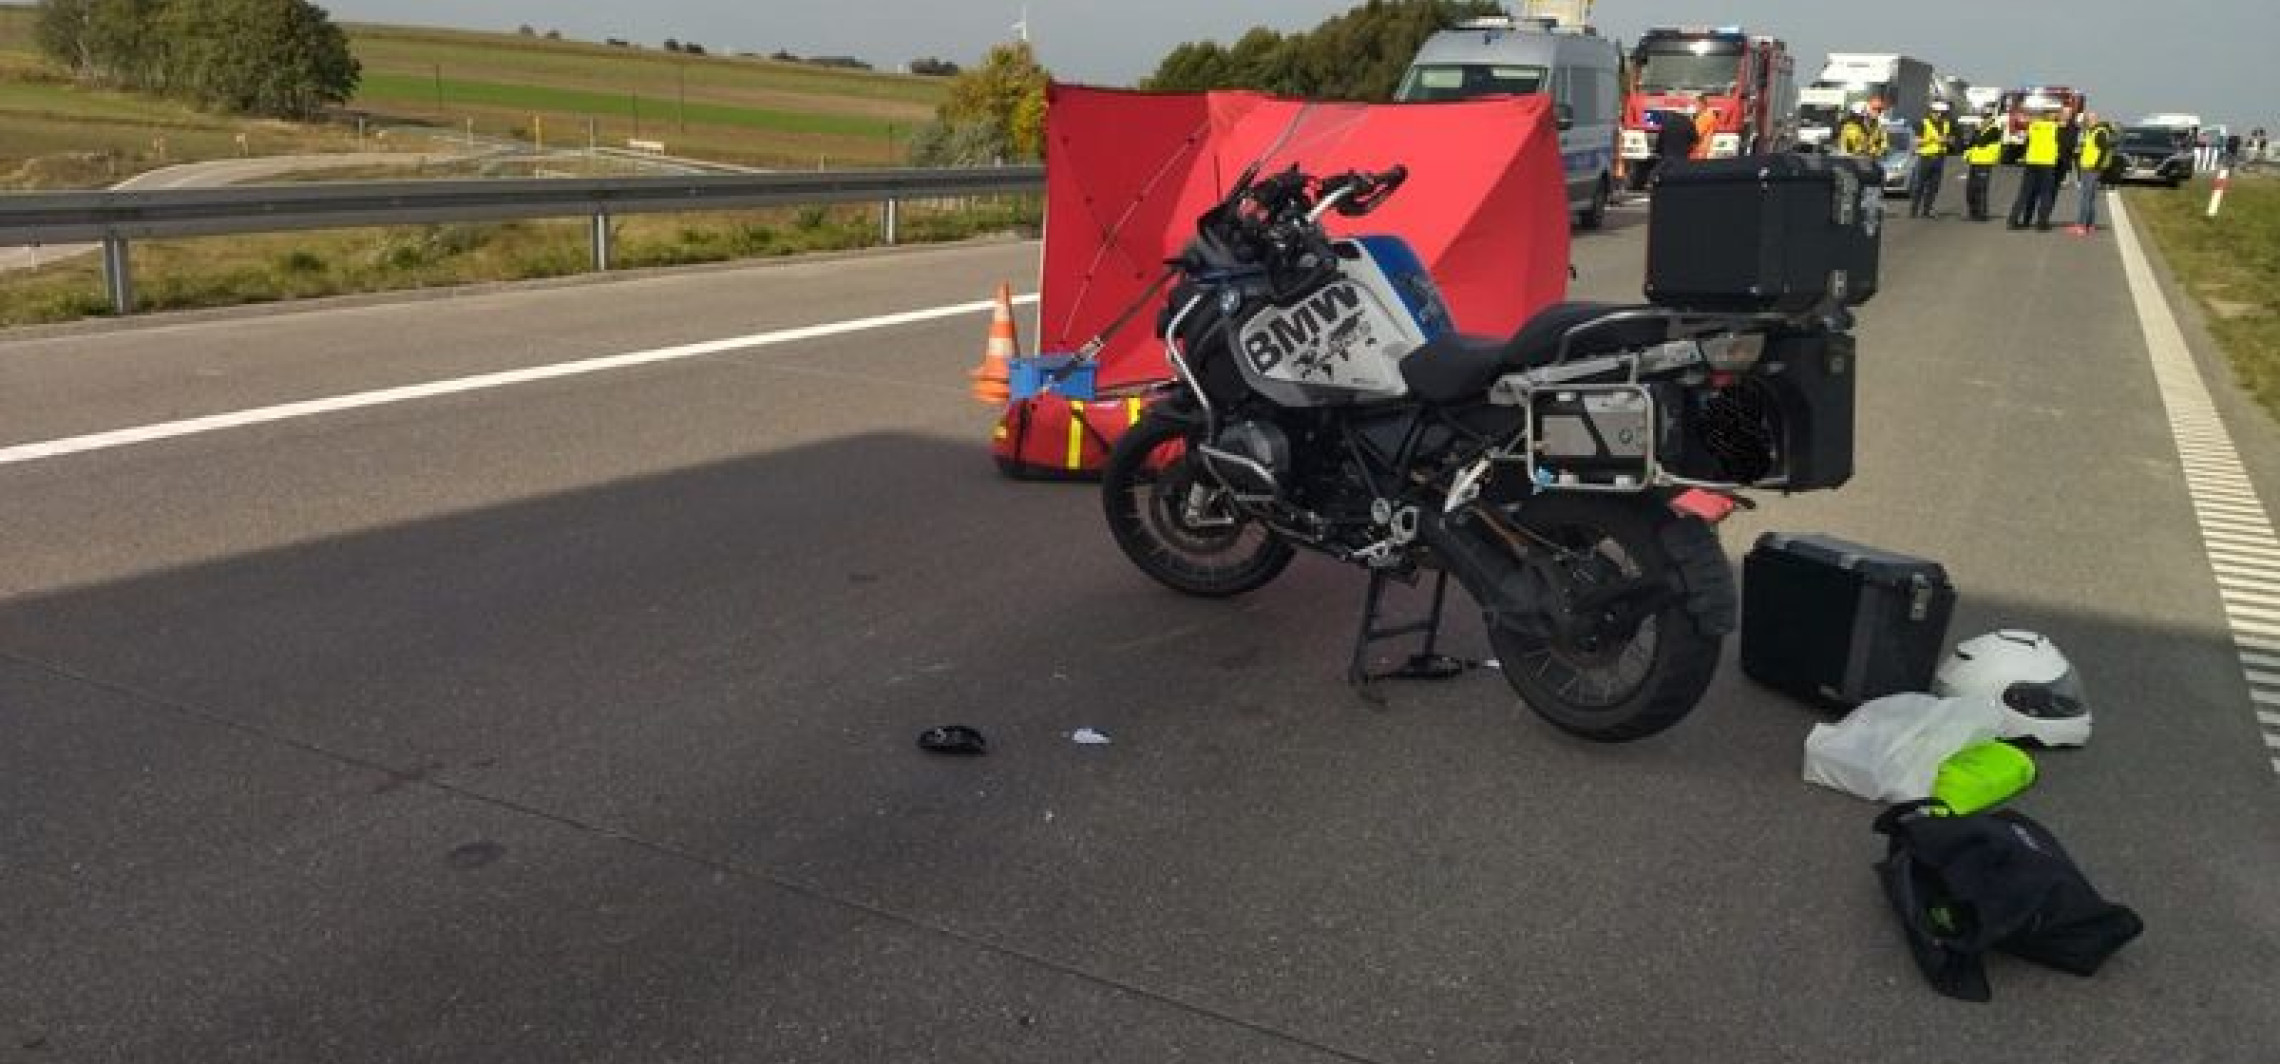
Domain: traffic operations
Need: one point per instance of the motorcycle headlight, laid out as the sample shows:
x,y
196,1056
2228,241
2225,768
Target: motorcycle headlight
x,y
1733,353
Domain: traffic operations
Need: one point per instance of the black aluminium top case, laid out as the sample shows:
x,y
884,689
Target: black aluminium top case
x,y
1765,233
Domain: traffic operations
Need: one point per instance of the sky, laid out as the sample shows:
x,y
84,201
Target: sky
x,y
2217,58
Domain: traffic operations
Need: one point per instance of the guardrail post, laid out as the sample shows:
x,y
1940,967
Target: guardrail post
x,y
893,222
117,280
601,241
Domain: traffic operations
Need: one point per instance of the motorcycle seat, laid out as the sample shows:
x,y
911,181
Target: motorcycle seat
x,y
1454,367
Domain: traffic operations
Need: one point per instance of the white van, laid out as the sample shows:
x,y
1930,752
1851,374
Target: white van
x,y
1504,56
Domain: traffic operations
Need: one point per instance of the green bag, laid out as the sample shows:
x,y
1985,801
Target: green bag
x,y
1982,776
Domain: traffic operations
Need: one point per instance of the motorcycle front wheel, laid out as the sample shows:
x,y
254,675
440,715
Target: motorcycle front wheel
x,y
1177,525
1642,591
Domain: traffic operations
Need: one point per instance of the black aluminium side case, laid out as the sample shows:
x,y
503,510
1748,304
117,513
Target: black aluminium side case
x,y
1777,233
1835,623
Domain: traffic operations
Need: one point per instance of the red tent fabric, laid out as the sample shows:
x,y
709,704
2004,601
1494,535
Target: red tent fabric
x,y
1128,172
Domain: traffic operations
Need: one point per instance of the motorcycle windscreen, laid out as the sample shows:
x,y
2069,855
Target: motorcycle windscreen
x,y
1485,205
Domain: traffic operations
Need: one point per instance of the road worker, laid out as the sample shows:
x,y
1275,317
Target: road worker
x,y
2038,172
1985,153
1935,141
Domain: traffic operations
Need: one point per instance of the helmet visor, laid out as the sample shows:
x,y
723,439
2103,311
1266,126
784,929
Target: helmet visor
x,y
2058,699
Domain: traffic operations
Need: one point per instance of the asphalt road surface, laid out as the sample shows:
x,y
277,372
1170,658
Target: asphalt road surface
x,y
571,718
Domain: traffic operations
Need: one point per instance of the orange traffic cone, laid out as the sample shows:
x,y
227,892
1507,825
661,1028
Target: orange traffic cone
x,y
991,377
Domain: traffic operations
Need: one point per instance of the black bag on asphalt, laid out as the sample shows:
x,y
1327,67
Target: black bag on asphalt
x,y
1836,624
1962,885
1780,233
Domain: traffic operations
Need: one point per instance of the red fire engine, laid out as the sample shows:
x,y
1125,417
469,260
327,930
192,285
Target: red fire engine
x,y
2022,106
1749,80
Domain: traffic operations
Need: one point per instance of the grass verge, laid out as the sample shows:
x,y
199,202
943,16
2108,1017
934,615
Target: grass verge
x,y
263,268
2231,265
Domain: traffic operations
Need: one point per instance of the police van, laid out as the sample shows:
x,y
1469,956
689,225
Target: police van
x,y
1581,70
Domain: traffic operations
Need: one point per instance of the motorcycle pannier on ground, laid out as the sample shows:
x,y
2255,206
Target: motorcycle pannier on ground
x,y
1772,233
1837,624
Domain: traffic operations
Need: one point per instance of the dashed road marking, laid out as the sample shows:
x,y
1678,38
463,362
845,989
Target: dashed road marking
x,y
2236,531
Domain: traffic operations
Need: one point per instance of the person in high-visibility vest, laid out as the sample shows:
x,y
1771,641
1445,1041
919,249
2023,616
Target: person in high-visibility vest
x,y
2096,154
1935,141
1878,141
2038,173
1705,128
1985,153
1852,135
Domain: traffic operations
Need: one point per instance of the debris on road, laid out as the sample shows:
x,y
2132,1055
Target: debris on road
x,y
1089,737
953,739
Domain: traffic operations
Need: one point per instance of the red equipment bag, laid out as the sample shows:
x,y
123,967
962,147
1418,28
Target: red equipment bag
x,y
1053,437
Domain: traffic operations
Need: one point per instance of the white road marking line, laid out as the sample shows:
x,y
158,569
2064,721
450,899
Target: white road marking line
x,y
2268,718
2243,560
2254,660
2257,598
2230,512
2264,594
2264,679
2212,466
32,452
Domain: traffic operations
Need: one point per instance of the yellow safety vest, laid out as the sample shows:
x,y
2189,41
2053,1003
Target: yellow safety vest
x,y
2042,142
2094,157
1852,139
1878,143
1987,144
1932,138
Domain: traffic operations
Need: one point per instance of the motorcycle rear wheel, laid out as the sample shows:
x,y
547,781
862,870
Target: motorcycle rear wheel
x,y
1146,490
1620,681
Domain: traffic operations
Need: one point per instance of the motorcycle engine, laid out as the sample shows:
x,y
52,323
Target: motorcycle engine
x,y
1253,457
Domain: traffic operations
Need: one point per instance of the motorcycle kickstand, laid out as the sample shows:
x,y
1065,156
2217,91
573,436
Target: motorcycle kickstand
x,y
1426,664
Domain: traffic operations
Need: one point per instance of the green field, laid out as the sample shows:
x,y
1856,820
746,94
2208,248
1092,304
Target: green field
x,y
54,133
2231,265
755,111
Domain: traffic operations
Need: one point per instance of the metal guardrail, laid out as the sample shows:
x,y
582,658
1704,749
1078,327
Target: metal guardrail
x,y
116,217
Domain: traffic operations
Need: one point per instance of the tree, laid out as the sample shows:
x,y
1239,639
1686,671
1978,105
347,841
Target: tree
x,y
131,48
1005,96
284,58
1359,55
672,45
60,29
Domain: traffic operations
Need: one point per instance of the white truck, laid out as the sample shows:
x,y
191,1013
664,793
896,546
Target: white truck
x,y
1904,84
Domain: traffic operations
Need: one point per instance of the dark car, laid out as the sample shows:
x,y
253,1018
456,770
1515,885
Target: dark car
x,y
2156,153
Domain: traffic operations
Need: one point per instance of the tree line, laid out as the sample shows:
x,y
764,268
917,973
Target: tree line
x,y
1359,55
282,58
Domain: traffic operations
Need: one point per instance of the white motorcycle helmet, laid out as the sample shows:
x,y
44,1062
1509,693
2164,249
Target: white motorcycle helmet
x,y
2024,673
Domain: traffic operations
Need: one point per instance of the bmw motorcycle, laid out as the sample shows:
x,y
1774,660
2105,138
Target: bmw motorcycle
x,y
1567,477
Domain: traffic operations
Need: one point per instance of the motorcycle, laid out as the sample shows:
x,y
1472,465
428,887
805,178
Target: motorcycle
x,y
1567,477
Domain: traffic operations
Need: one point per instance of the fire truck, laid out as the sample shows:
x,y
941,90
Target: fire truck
x,y
1749,80
2022,106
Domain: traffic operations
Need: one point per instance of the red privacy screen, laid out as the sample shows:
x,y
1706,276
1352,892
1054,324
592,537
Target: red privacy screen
x,y
1128,172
